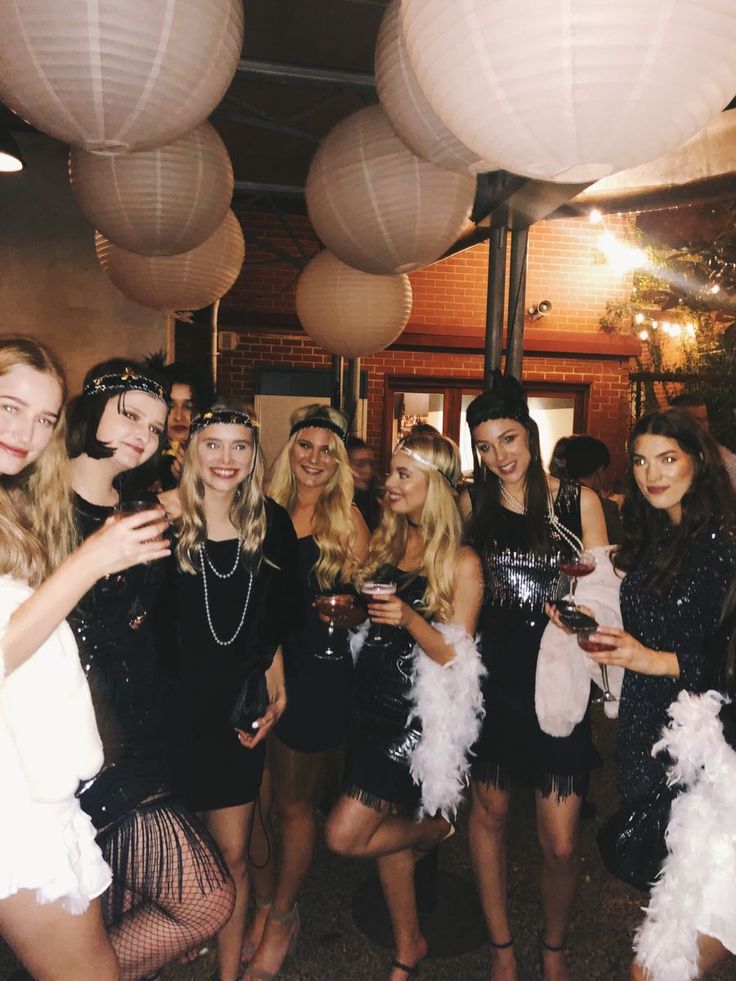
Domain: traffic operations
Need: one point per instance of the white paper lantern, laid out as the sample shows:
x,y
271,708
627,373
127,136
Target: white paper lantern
x,y
406,105
376,205
118,75
573,90
350,312
188,281
156,202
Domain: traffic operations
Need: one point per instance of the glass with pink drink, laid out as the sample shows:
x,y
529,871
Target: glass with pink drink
x,y
374,590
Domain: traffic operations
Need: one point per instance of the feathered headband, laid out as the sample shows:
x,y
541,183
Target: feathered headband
x,y
127,380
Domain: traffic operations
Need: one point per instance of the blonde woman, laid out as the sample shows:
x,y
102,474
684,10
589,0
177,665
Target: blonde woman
x,y
226,607
418,687
313,481
51,870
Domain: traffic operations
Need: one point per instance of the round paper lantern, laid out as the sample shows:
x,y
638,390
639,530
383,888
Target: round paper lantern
x,y
187,281
376,205
156,202
406,105
350,312
572,90
113,76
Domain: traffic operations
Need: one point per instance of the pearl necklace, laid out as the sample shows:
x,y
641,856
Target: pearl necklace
x,y
203,566
569,536
223,575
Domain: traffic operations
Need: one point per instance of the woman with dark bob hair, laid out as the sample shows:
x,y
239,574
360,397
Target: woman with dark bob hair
x,y
171,890
678,558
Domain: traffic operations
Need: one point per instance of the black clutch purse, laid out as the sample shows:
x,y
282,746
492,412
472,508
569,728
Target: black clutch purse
x,y
252,701
632,841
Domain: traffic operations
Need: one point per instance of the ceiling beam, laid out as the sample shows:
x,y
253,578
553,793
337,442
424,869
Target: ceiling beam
x,y
282,72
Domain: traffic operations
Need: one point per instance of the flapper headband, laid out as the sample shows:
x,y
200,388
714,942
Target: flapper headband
x,y
318,422
127,380
400,447
231,417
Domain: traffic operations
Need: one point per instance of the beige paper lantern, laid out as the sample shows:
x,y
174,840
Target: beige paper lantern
x,y
350,312
572,90
156,202
376,205
188,281
114,76
406,105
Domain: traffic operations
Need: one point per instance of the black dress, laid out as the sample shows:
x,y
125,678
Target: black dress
x,y
142,827
377,772
319,692
512,748
683,619
210,769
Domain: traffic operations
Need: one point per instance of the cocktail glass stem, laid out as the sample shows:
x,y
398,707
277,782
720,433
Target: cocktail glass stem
x,y
608,695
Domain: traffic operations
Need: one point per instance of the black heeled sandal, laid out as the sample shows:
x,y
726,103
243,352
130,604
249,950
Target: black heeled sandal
x,y
509,943
552,948
411,972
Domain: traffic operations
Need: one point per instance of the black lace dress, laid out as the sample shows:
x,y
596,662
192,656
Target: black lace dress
x,y
684,619
377,772
170,886
512,748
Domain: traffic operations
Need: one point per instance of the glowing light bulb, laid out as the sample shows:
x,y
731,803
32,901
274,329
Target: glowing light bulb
x,y
595,216
715,288
644,335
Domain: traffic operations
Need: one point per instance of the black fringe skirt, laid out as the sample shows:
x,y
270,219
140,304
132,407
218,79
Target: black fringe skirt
x,y
377,769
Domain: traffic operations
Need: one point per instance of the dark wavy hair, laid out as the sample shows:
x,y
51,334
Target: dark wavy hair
x,y
708,501
506,399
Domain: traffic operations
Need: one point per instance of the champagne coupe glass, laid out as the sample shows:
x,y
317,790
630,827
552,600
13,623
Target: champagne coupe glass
x,y
597,647
332,605
374,590
575,567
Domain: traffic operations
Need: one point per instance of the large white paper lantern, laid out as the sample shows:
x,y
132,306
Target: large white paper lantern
x,y
406,105
156,202
188,281
573,90
378,206
350,312
118,75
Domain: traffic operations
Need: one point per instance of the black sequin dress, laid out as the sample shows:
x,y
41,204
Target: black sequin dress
x,y
210,769
377,772
319,692
141,826
512,748
683,619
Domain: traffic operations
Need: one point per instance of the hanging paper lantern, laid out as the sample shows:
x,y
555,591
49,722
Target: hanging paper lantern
x,y
376,205
572,90
113,76
350,312
406,105
188,281
156,202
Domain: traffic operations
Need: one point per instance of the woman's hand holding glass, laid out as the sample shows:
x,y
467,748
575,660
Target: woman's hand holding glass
x,y
628,652
127,540
389,610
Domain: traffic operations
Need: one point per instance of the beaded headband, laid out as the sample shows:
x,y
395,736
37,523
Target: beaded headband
x,y
127,380
420,459
318,422
230,417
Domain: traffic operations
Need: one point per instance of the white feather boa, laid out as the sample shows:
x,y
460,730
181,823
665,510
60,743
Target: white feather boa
x,y
448,701
696,889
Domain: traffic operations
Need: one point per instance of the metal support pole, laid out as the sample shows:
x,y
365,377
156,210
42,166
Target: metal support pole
x,y
336,387
494,303
352,393
517,296
214,346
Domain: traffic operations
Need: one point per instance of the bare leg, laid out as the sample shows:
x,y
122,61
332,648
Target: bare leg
x,y
558,824
53,945
712,952
396,872
487,838
361,832
229,827
261,866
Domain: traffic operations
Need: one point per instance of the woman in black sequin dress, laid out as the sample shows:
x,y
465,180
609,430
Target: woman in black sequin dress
x,y
521,522
170,889
679,557
426,629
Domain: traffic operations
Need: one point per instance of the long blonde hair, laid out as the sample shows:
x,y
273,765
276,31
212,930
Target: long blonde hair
x,y
36,521
440,524
332,526
247,511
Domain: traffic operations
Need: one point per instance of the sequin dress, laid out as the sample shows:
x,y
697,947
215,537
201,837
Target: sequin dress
x,y
512,748
683,619
377,772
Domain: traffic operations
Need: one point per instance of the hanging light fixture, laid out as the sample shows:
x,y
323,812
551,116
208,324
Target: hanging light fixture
x,y
10,159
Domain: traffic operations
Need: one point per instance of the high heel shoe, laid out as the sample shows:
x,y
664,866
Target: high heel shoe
x,y
249,950
258,974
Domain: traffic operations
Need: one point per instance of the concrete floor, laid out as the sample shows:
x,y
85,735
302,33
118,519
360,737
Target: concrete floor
x,y
333,948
